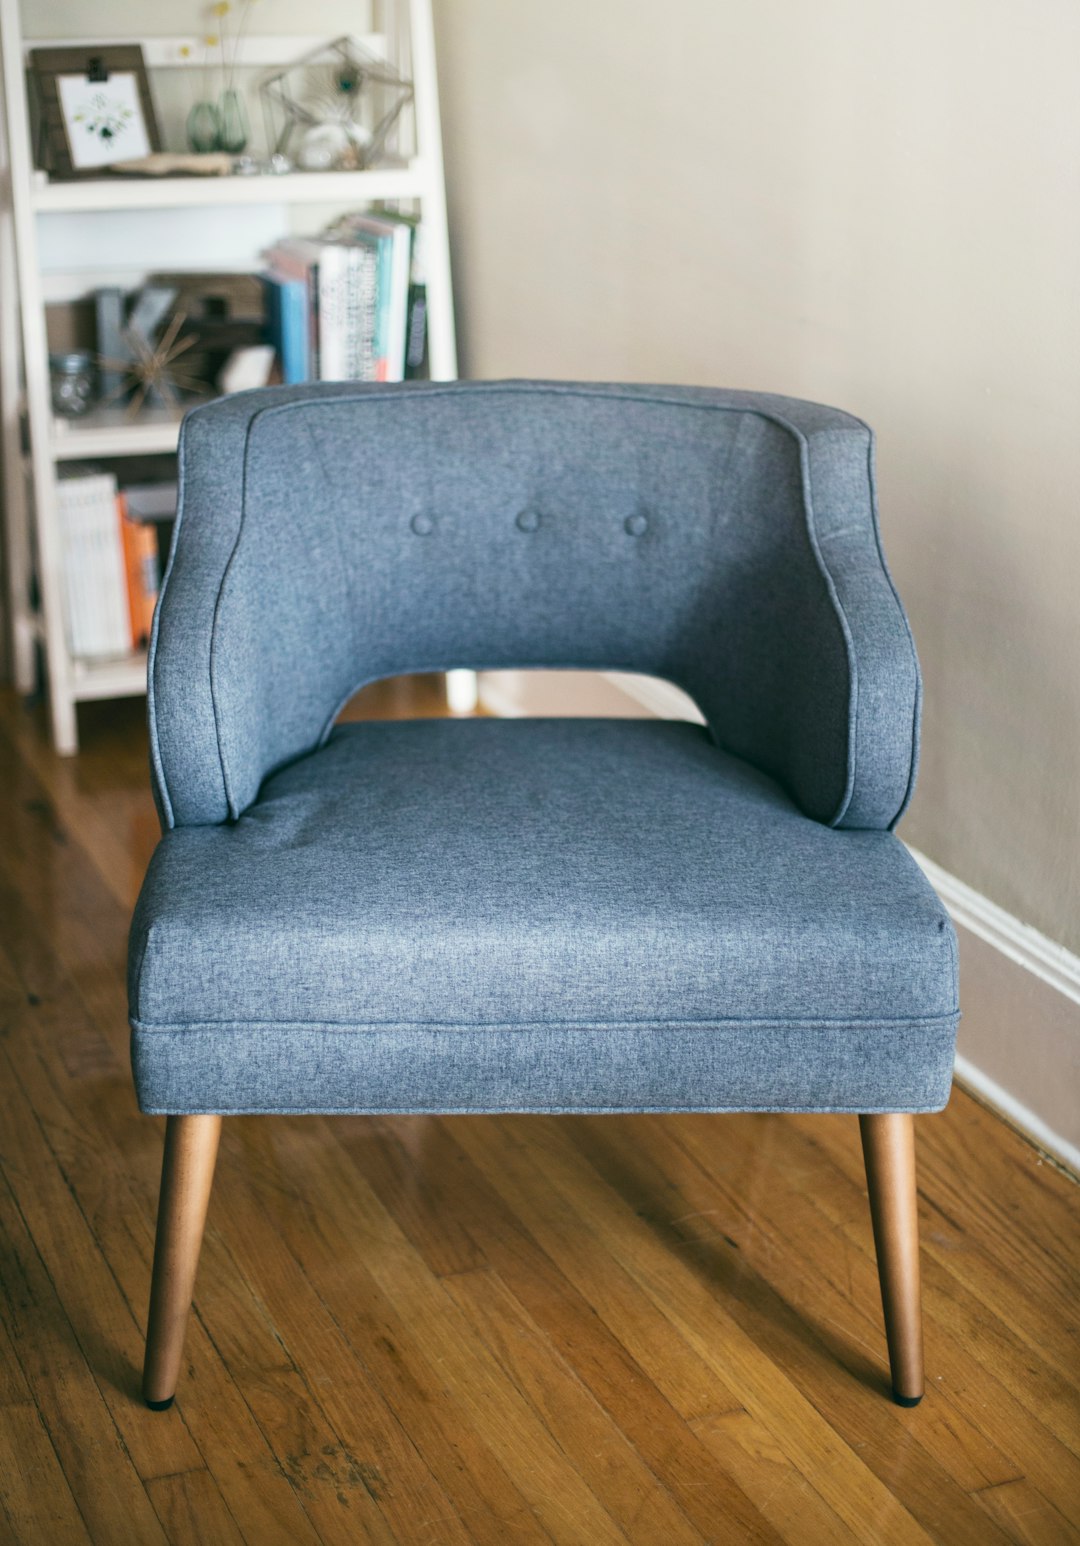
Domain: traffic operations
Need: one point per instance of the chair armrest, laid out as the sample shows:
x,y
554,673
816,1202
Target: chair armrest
x,y
227,705
823,688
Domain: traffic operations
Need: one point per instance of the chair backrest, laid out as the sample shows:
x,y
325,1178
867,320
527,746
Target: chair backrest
x,y
332,535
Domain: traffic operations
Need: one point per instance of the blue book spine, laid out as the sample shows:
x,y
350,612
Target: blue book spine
x,y
386,271
288,328
295,333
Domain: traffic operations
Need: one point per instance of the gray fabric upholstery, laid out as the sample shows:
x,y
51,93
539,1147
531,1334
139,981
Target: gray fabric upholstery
x,y
725,541
534,915
537,915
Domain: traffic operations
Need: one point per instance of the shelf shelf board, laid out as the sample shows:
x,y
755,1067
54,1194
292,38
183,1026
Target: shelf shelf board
x,y
402,182
109,432
123,677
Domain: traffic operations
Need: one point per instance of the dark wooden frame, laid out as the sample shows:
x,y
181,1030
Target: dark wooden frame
x,y
95,62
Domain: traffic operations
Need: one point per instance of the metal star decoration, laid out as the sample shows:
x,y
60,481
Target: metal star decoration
x,y
340,84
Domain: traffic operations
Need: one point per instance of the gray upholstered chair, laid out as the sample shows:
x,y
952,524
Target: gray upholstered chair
x,y
533,915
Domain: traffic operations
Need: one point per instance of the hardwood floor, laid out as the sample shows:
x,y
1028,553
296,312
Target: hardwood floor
x,y
658,1330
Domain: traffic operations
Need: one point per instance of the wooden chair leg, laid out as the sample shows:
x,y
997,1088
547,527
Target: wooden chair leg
x,y
187,1174
889,1151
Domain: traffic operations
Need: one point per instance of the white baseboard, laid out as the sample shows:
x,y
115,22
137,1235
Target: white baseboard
x,y
1051,963
1029,1122
1021,1039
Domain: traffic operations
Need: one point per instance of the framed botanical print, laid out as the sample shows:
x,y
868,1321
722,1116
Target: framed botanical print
x,y
94,108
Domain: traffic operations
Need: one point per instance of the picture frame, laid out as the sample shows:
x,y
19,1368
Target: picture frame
x,y
94,108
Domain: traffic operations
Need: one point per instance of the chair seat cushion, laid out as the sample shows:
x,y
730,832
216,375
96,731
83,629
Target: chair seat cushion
x,y
536,915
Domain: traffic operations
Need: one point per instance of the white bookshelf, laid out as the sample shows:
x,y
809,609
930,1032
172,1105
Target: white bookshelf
x,y
407,182
36,444
110,432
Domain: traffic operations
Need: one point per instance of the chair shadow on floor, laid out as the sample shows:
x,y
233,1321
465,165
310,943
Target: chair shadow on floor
x,y
437,1190
789,1334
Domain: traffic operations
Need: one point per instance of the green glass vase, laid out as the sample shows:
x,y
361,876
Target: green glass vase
x,y
203,128
233,128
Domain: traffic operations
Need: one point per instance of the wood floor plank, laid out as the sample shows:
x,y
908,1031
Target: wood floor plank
x,y
999,1331
783,1243
588,1439
238,1454
808,1151
213,1426
1026,1516
373,1447
34,1493
584,1331
444,1180
191,1509
794,1239
1005,1229
304,1216
61,892
102,1323
783,1494
331,1490
109,819
694,1309
448,1177
96,1464
424,1333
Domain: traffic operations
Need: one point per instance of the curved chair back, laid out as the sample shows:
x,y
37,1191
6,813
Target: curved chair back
x,y
727,542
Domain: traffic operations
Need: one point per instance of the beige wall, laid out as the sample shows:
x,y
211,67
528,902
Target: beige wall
x,y
872,204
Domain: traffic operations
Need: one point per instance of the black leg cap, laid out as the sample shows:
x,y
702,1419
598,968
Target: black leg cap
x,y
161,1406
905,1400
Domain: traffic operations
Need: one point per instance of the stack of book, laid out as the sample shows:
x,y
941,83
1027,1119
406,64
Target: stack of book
x,y
112,571
349,305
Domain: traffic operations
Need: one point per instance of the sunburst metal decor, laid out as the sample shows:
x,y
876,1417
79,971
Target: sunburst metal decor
x,y
150,374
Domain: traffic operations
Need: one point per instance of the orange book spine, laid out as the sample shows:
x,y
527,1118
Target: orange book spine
x,y
140,563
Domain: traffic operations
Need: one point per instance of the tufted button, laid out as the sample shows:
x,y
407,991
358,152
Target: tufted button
x,y
422,525
636,525
528,520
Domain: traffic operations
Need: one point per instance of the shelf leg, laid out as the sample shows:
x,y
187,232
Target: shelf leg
x,y
462,692
65,727
24,658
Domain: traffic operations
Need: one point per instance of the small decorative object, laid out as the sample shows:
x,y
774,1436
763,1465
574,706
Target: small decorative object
x,y
247,368
325,146
168,163
139,363
109,323
175,334
203,128
149,308
151,374
72,380
95,108
222,125
233,127
224,312
334,107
